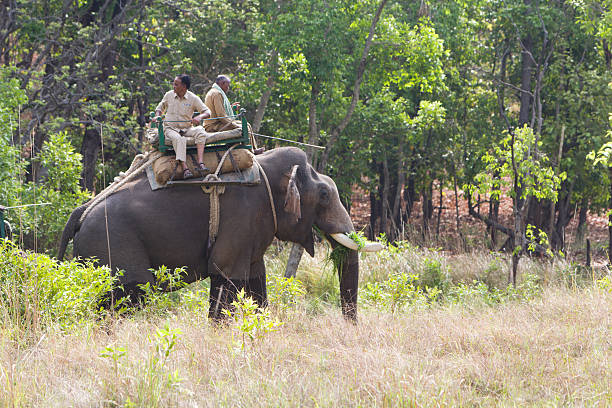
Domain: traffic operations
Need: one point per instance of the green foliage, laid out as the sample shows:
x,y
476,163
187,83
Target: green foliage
x,y
154,378
251,322
605,283
517,158
603,156
11,166
61,190
37,291
159,295
479,293
115,354
536,239
284,292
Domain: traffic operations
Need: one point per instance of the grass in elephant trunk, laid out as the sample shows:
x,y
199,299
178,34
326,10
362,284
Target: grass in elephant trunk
x,y
545,344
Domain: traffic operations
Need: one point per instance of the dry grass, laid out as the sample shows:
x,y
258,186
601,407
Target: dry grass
x,y
553,350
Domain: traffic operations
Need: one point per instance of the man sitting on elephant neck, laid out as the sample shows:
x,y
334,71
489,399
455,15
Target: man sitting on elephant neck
x,y
180,105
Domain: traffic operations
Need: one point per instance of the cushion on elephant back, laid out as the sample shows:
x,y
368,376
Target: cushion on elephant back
x,y
164,166
152,136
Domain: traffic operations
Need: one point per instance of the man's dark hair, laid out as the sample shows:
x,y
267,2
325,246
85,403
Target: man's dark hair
x,y
185,80
221,78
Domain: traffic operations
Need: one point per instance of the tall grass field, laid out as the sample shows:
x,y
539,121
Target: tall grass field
x,y
434,329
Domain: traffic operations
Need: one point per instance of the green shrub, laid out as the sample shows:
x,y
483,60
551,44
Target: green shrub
x,y
36,290
160,295
61,189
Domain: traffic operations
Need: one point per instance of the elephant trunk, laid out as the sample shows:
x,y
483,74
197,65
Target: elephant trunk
x,y
348,272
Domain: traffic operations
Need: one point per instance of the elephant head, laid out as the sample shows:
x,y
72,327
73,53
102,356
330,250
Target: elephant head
x,y
304,199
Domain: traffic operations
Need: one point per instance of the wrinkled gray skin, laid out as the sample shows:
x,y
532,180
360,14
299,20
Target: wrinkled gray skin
x,y
169,227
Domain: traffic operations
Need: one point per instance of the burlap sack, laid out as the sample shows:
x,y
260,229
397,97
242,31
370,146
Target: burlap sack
x,y
165,165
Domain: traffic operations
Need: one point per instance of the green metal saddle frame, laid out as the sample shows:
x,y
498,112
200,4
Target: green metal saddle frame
x,y
242,142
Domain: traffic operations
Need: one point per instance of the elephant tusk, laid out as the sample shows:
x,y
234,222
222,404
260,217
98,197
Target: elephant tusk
x,y
344,240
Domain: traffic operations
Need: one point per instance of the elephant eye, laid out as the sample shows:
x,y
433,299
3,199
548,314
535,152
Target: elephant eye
x,y
324,196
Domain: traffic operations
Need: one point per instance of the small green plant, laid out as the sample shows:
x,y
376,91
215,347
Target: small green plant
x,y
166,341
399,290
283,292
433,275
112,387
250,320
114,354
160,296
605,283
155,379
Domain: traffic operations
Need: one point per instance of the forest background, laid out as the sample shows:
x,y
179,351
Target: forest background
x,y
486,100
492,115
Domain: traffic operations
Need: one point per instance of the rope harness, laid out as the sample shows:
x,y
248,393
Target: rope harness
x,y
216,190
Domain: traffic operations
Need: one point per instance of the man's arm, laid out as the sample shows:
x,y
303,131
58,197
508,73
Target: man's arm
x,y
161,106
204,112
219,107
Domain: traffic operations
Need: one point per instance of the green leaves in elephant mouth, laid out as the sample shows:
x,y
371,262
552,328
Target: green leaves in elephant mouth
x,y
338,254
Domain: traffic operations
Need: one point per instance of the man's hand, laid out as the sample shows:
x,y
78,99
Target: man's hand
x,y
196,121
157,116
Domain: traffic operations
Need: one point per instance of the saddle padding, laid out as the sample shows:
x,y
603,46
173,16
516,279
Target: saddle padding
x,y
165,165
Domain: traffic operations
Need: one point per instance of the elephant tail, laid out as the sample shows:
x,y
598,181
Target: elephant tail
x,y
71,228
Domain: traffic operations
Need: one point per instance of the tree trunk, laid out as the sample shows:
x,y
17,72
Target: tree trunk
x,y
526,67
357,84
384,197
265,97
313,130
89,150
374,214
581,231
427,208
440,205
457,205
397,216
610,218
409,196
519,229
294,260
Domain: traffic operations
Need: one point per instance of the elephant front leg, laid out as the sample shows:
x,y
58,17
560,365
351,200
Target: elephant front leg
x,y
256,286
222,293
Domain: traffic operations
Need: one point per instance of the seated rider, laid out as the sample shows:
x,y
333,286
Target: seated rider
x,y
179,105
216,100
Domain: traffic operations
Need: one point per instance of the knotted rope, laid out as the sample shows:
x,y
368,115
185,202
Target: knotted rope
x,y
215,191
139,164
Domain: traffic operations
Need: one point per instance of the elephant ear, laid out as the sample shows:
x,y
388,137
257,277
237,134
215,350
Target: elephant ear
x,y
292,198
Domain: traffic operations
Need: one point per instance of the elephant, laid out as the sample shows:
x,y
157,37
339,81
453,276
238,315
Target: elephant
x,y
139,229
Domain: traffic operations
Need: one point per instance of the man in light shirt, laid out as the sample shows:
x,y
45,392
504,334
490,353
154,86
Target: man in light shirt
x,y
216,100
179,106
